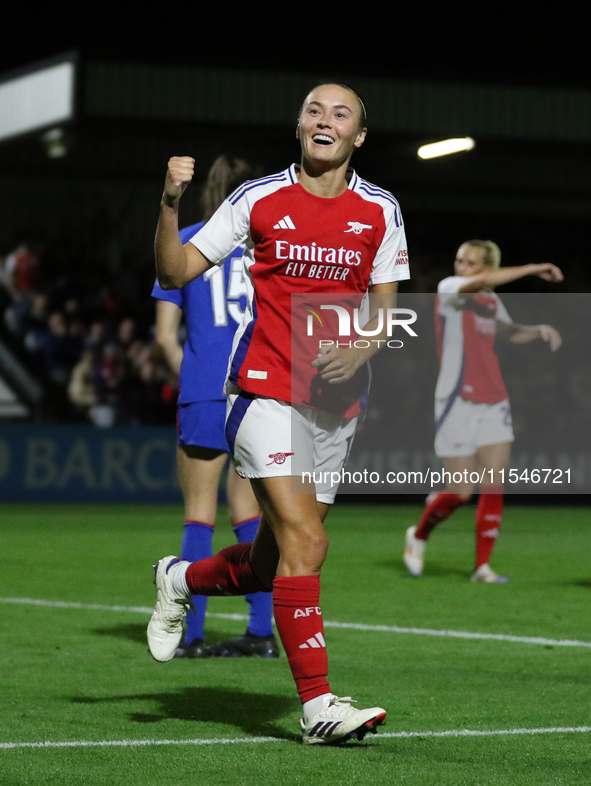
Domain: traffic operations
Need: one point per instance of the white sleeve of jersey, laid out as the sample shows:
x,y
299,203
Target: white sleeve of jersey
x,y
391,261
451,285
502,314
226,229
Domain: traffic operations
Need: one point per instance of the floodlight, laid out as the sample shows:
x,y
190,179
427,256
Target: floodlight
x,y
445,147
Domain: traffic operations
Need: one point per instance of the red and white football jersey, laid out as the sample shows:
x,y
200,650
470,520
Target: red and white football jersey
x,y
296,242
465,329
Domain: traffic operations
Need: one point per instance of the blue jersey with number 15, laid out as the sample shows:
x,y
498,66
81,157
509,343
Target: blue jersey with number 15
x,y
213,305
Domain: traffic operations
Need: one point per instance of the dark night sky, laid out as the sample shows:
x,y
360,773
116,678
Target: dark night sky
x,y
502,43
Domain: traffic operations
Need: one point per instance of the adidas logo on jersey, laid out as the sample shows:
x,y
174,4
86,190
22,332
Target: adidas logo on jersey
x,y
315,642
285,223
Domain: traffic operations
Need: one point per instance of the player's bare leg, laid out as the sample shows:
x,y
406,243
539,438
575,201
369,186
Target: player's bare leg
x,y
242,503
296,520
199,471
496,458
464,465
264,555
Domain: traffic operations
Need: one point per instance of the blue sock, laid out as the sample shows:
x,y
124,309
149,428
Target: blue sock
x,y
260,603
196,545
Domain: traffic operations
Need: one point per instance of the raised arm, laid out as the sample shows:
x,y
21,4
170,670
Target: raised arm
x,y
523,334
494,277
176,264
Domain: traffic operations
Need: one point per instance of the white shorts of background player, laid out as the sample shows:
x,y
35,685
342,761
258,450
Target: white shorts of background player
x,y
469,425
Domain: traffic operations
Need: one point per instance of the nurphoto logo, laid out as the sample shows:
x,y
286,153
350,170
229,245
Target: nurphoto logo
x,y
390,317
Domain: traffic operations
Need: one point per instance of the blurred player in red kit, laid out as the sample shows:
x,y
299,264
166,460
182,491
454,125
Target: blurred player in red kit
x,y
472,411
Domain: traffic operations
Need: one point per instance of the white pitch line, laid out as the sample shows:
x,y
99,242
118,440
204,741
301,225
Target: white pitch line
x,y
459,634
259,740
488,732
59,604
453,634
135,743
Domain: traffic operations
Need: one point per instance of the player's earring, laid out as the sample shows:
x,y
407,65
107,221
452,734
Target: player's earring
x,y
298,131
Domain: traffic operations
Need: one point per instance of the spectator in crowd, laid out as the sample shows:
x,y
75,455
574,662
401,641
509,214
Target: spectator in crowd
x,y
81,387
21,269
61,351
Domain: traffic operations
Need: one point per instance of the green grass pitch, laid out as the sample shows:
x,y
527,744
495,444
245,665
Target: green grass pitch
x,y
83,675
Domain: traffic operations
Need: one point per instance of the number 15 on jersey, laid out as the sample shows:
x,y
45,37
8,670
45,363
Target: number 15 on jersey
x,y
227,303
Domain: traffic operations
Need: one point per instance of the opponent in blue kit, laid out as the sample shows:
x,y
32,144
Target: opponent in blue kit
x,y
213,306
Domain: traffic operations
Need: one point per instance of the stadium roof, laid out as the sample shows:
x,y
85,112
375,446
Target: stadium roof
x,y
256,97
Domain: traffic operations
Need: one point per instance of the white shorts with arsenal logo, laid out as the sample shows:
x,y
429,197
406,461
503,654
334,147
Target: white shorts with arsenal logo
x,y
270,438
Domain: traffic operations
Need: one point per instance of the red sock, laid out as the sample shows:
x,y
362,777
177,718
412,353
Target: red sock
x,y
488,520
438,508
299,623
226,573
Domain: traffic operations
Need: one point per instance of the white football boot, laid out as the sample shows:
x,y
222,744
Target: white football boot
x,y
488,576
339,721
414,552
165,629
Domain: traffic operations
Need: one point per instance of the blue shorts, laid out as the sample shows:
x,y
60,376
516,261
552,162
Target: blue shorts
x,y
202,423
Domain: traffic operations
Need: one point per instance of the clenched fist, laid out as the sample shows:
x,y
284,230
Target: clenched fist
x,y
178,176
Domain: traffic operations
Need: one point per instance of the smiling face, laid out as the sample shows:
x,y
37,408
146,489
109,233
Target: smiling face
x,y
330,126
469,261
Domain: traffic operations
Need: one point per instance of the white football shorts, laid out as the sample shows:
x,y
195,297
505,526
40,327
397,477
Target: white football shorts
x,y
270,438
468,426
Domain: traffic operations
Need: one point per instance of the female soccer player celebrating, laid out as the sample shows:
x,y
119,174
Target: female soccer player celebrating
x,y
472,413
347,237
